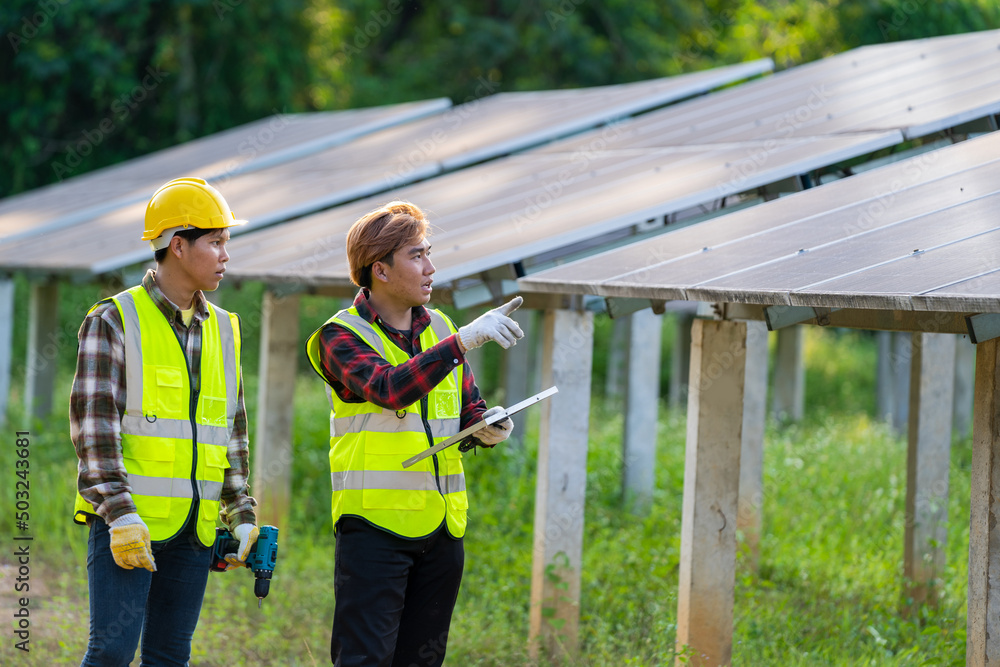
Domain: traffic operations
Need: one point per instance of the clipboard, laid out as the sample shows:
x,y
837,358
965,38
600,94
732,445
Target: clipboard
x,y
492,419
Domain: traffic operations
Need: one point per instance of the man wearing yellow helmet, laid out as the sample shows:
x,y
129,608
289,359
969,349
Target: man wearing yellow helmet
x,y
160,430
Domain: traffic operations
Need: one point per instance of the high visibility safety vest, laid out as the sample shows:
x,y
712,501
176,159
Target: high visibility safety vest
x,y
368,444
174,440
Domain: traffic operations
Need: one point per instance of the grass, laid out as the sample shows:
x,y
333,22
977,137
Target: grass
x,y
827,591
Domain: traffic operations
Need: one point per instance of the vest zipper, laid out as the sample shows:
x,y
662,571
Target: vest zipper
x,y
192,411
430,438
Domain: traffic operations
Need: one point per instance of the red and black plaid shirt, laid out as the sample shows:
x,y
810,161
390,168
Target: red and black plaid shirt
x,y
357,373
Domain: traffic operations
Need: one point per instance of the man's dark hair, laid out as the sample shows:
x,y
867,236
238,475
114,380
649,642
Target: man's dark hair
x,y
192,235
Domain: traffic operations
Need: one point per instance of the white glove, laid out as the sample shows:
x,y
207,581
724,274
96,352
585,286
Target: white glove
x,y
130,544
493,325
497,432
247,534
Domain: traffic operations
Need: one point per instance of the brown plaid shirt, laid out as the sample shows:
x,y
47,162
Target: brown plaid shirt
x,y
97,404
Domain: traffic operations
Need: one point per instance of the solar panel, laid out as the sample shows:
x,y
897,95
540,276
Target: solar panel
x,y
917,87
912,235
217,157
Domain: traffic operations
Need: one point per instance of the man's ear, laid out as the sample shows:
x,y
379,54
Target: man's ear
x,y
178,246
378,272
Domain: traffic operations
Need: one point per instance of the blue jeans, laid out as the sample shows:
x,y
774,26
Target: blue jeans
x,y
162,605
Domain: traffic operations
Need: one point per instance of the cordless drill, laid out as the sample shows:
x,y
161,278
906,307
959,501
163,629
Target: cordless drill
x,y
262,558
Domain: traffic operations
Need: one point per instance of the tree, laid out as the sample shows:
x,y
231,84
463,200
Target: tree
x,y
90,83
797,31
462,49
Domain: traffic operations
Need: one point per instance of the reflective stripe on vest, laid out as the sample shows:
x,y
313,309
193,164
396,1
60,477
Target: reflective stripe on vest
x,y
388,421
368,444
164,486
169,454
406,480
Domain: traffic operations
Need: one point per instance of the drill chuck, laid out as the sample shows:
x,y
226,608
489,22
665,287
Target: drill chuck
x,y
262,585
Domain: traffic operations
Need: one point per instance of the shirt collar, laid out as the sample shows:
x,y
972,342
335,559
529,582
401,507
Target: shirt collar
x,y
421,318
168,307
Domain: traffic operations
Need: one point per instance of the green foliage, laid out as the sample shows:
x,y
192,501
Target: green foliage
x,y
465,50
876,21
796,31
827,592
91,83
832,557
838,383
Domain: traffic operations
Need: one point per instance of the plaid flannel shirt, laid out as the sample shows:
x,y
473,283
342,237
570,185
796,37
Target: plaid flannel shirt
x,y
97,404
359,374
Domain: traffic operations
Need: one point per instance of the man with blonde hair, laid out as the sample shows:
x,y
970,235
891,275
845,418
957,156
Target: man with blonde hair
x,y
398,384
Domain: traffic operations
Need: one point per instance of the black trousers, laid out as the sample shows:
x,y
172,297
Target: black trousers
x,y
394,597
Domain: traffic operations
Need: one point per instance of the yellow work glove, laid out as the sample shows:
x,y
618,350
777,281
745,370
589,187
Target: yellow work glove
x,y
497,432
247,534
130,543
493,325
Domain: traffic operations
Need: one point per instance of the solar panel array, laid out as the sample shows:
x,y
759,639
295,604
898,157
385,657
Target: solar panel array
x,y
474,131
694,153
503,212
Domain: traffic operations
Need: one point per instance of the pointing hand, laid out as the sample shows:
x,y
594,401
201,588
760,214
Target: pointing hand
x,y
495,325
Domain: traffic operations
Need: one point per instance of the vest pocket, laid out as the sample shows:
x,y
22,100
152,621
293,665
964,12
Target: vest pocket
x,y
151,472
210,509
458,502
452,453
385,499
216,461
213,473
213,411
215,464
151,460
152,507
446,405
170,395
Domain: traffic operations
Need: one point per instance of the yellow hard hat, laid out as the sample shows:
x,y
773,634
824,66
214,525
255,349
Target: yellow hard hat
x,y
186,202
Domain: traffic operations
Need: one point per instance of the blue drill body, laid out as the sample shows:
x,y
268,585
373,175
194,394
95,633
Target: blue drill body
x,y
261,560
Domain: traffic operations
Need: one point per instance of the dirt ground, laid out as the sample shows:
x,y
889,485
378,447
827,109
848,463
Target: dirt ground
x,y
58,615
